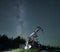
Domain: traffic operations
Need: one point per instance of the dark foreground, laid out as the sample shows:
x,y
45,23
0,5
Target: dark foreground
x,y
31,50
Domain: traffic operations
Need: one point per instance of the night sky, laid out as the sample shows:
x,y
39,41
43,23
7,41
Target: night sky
x,y
32,13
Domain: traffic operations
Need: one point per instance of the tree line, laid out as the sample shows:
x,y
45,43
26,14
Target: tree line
x,y
10,43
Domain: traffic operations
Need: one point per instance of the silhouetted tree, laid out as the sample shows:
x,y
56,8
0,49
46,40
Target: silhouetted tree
x,y
9,43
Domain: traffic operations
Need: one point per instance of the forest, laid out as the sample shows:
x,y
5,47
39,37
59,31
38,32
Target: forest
x,y
10,43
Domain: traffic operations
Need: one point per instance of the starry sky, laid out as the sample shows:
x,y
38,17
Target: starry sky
x,y
31,13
